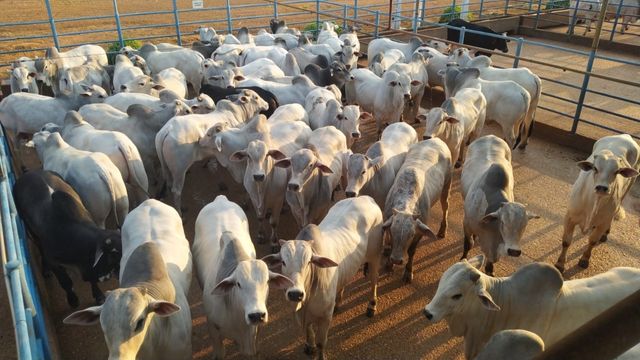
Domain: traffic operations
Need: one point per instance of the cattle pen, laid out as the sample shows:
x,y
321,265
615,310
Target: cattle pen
x,y
591,89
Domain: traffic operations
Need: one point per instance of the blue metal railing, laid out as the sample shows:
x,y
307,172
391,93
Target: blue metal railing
x,y
30,331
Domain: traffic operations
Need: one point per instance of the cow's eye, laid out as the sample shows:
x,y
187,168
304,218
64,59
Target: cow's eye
x,y
139,325
284,264
456,296
595,170
363,171
238,284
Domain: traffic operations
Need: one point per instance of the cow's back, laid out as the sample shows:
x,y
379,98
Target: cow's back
x,y
621,145
481,154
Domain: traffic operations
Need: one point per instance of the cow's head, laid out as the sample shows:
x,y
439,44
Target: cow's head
x,y
338,72
260,160
304,163
360,170
511,218
404,228
436,121
460,287
501,44
248,284
252,103
605,167
22,78
108,254
140,84
297,258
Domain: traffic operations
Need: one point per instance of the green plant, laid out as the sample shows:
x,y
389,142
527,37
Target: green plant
x,y
313,28
556,4
114,48
449,14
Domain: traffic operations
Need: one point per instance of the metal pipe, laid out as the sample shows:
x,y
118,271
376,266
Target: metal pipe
x,y
506,7
355,9
377,24
344,16
606,336
415,16
52,23
390,9
482,6
229,23
461,35
275,9
422,12
317,17
615,21
535,26
573,18
176,18
516,61
116,14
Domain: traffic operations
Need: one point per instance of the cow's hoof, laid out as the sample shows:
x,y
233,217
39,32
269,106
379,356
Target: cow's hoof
x,y
442,234
457,165
72,300
371,312
275,249
222,186
310,350
560,267
407,277
583,263
522,146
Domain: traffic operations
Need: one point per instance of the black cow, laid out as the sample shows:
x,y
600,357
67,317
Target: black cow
x,y
482,41
64,232
218,93
336,73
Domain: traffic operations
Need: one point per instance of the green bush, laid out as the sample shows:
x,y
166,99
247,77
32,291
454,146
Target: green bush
x,y
556,4
450,13
114,48
313,28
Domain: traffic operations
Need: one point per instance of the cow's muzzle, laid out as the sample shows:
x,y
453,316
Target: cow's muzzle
x,y
350,194
427,314
514,252
24,90
601,189
295,295
395,261
355,135
407,96
257,317
426,137
293,187
258,177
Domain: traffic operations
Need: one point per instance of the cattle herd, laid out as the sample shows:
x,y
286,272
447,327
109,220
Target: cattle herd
x,y
280,113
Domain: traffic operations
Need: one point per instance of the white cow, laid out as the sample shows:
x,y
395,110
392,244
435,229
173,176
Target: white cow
x,y
22,79
596,196
172,79
188,61
141,84
507,102
202,104
295,93
490,213
315,174
329,36
458,121
381,45
416,69
76,56
96,179
234,284
381,62
177,143
583,9
374,172
628,12
265,183
324,259
206,34
423,179
224,74
510,344
535,298
436,61
117,146
383,97
348,55
148,317
521,76
124,72
352,36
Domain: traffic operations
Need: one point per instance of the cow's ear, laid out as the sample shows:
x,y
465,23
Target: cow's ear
x,y
239,78
376,162
365,116
585,165
416,83
628,172
88,316
278,281
490,217
157,87
244,99
276,154
273,260
284,163
98,255
477,262
451,120
223,286
487,300
425,230
163,308
357,53
323,262
238,155
421,118
324,168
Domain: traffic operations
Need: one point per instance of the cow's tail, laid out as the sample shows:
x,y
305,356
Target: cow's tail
x,y
526,99
119,199
166,174
137,174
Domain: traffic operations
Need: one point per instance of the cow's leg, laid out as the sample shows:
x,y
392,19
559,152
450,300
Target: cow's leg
x,y
594,239
444,203
605,237
460,159
567,238
261,234
468,242
96,292
67,285
218,345
177,186
407,277
374,270
323,331
309,346
339,296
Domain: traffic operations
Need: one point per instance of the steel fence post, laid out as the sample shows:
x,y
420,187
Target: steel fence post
x,y
52,23
317,17
229,23
583,91
461,38
355,9
530,5
344,16
176,19
116,14
424,8
275,9
506,7
573,17
480,11
516,61
535,26
377,24
615,21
